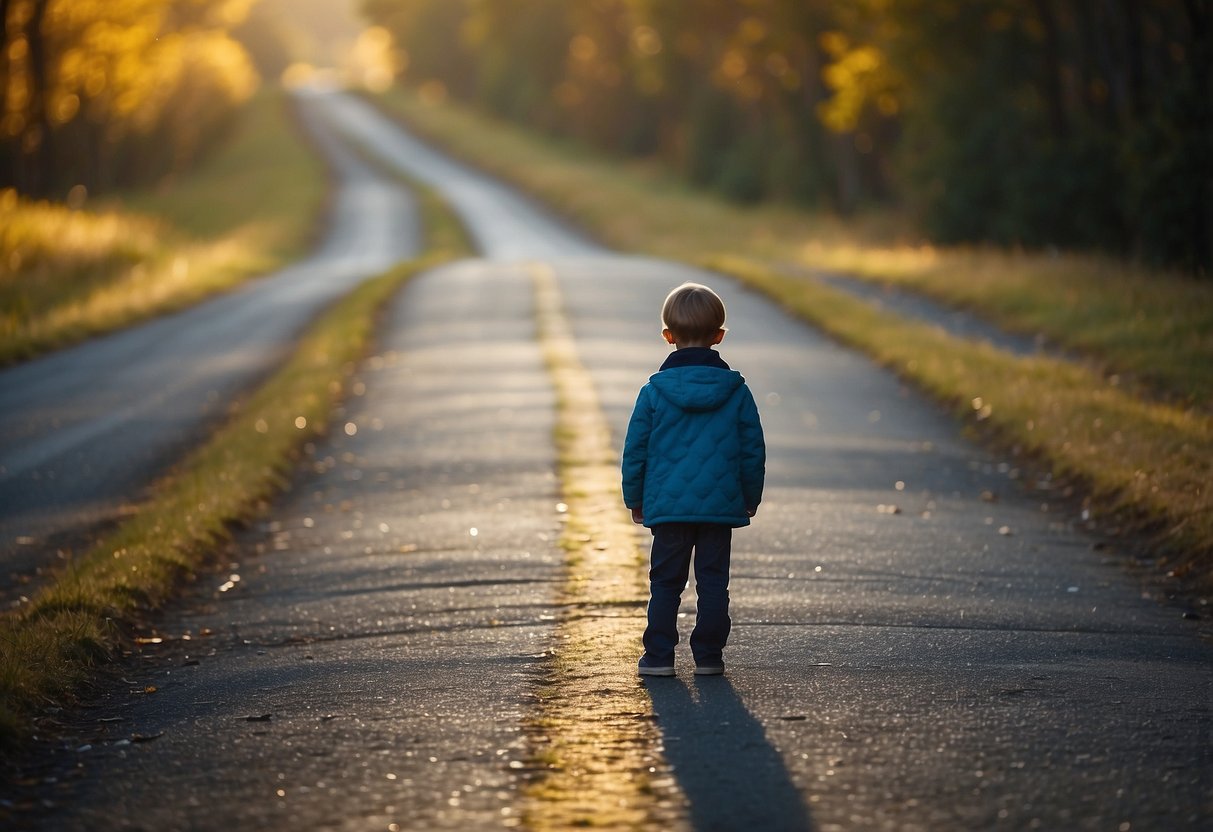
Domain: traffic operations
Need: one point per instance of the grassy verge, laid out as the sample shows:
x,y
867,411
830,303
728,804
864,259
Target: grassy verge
x,y
1148,327
1139,323
1146,464
68,274
49,646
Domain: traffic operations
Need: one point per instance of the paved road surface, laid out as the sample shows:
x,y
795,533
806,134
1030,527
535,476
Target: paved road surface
x,y
85,430
910,670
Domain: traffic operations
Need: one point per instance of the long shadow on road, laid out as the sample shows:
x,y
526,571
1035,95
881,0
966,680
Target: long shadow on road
x,y
732,777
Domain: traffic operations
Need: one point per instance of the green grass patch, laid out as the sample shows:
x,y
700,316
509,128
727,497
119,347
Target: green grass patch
x,y
69,274
1137,322
48,646
1146,326
1145,462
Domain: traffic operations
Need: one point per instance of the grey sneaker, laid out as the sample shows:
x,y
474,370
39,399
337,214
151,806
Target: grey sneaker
x,y
709,669
649,667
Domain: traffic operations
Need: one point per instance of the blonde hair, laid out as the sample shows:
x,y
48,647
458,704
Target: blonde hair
x,y
693,313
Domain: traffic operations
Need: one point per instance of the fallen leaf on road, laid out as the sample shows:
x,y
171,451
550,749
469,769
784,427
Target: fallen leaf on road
x,y
1005,530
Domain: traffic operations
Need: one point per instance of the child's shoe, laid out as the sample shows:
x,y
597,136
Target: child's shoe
x,y
715,668
649,667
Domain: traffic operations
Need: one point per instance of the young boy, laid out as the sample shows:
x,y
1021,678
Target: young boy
x,y
693,466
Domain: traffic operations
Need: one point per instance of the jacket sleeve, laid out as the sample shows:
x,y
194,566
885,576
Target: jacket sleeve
x,y
636,450
753,452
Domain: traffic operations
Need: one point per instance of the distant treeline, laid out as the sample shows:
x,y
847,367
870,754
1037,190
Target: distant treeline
x,y
1071,123
102,93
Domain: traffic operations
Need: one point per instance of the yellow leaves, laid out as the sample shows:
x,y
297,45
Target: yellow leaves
x,y
123,61
834,43
63,108
228,13
374,62
752,30
18,49
582,48
860,79
645,41
733,65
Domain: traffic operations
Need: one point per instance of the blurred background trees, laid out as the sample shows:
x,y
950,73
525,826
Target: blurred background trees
x,y
1070,123
100,93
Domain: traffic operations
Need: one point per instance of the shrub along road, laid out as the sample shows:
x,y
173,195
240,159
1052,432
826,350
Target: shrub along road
x,y
918,643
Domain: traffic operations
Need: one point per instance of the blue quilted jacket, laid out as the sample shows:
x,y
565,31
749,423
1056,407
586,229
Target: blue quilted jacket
x,y
694,451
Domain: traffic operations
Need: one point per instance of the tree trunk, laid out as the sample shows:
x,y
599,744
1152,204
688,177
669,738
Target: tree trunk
x,y
34,159
1200,63
1135,57
1052,70
8,151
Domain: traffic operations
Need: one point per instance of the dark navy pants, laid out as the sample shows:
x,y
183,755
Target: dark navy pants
x,y
673,544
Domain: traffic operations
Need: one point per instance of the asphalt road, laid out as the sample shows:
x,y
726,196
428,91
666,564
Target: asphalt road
x,y
920,640
85,430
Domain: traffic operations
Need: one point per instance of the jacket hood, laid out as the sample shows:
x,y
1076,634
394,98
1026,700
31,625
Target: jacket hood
x,y
696,388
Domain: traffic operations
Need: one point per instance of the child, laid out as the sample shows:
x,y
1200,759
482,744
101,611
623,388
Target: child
x,y
693,466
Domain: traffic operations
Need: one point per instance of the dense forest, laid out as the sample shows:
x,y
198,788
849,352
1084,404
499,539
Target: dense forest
x,y
1070,123
103,93
1081,124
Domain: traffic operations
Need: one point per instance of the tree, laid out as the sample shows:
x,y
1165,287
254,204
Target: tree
x,y
99,92
1075,123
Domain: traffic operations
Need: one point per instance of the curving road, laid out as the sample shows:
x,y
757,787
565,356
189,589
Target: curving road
x,y
967,660
85,430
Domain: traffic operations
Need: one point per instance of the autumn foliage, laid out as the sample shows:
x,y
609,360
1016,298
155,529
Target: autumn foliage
x,y
1042,123
111,92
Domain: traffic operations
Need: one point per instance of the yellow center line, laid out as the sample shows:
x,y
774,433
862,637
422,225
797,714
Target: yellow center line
x,y
595,744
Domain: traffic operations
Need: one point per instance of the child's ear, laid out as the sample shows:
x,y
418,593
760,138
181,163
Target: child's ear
x,y
668,336
719,336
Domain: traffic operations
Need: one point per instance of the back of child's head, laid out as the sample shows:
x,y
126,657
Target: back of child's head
x,y
693,313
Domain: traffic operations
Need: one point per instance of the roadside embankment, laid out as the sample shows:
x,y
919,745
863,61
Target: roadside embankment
x,y
50,644
71,272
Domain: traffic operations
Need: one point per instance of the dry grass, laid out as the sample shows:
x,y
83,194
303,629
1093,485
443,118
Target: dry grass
x,y
49,645
69,274
1154,327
